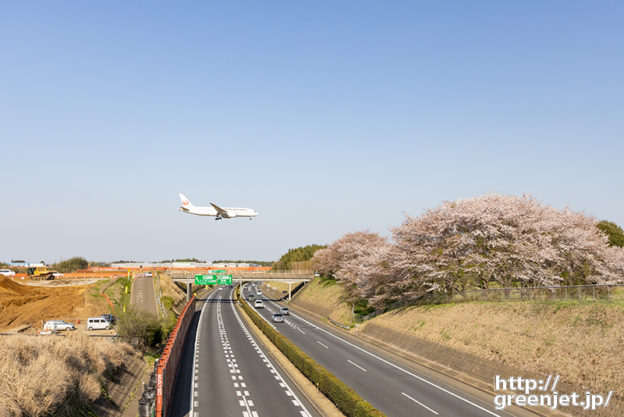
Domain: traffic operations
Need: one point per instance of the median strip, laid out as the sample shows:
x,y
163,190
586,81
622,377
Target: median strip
x,y
344,397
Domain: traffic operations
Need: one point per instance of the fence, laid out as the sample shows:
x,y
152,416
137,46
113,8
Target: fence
x,y
170,358
551,293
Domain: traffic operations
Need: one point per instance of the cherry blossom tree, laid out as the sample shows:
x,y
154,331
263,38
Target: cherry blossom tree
x,y
510,240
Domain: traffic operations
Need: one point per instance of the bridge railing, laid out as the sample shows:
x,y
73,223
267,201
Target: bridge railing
x,y
169,360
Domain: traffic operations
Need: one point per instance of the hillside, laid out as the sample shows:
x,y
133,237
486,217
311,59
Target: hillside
x,y
581,341
29,305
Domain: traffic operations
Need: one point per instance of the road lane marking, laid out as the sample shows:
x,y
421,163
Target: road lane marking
x,y
459,397
195,390
419,403
322,344
356,365
282,383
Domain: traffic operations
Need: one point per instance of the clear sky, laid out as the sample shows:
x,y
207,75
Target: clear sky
x,y
326,117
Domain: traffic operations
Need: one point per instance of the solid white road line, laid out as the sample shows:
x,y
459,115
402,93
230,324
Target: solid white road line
x,y
356,365
322,344
459,397
278,377
419,403
196,353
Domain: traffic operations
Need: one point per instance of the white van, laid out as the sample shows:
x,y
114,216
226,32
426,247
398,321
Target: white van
x,y
98,323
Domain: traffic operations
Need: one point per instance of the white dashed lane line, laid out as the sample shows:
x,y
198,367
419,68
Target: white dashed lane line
x,y
282,383
419,403
322,344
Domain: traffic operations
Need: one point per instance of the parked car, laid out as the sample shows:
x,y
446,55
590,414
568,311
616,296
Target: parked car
x,y
111,319
278,318
285,311
7,272
258,304
98,323
58,325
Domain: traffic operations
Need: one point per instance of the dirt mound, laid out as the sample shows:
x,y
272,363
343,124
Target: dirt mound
x,y
7,286
29,305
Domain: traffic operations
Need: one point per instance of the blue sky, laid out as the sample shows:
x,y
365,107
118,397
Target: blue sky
x,y
326,117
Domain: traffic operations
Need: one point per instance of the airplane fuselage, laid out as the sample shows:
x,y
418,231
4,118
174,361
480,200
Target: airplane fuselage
x,y
209,211
215,211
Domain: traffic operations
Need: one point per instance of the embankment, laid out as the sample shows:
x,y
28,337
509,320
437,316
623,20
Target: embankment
x,y
29,305
580,341
59,376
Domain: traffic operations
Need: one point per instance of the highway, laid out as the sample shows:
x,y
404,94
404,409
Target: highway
x,y
143,296
226,372
393,386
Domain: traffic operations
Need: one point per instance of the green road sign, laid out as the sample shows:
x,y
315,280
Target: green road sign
x,y
213,279
217,271
205,279
224,279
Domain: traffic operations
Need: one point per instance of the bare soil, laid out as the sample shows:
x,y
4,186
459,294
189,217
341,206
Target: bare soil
x,y
22,305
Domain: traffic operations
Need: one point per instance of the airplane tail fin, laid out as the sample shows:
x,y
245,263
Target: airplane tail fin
x,y
185,201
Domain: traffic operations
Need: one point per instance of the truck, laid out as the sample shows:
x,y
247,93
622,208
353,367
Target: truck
x,y
39,273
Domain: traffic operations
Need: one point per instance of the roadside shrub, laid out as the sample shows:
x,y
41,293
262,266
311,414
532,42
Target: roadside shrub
x,y
140,329
345,398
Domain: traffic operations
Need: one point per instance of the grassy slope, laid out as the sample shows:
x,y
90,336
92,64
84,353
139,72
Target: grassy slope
x,y
581,341
324,298
65,374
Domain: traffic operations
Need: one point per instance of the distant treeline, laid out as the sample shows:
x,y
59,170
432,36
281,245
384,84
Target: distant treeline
x,y
240,261
182,260
302,253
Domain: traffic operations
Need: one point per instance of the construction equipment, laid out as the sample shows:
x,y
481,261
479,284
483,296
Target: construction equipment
x,y
39,273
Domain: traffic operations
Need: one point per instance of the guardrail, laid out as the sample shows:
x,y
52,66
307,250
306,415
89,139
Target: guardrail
x,y
169,360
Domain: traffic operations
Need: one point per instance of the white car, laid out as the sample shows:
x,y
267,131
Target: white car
x,y
258,304
7,272
58,325
98,323
259,292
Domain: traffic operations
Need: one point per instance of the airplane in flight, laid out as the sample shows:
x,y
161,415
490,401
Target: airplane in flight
x,y
216,211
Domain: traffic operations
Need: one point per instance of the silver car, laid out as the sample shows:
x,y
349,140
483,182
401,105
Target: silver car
x,y
278,318
58,325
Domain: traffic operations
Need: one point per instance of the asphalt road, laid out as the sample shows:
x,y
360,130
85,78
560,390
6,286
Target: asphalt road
x,y
143,296
225,371
391,385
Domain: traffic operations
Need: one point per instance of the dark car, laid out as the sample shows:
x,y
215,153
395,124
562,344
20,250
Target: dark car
x,y
109,317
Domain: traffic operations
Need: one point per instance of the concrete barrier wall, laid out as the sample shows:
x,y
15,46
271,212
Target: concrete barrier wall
x,y
170,359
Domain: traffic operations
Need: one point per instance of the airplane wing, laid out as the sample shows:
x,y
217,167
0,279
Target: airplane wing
x,y
222,212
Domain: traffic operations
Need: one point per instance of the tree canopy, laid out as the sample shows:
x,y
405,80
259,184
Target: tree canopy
x,y
613,232
509,240
302,253
70,265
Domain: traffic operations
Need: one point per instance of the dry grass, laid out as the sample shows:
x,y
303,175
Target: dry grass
x,y
324,298
170,289
582,342
51,375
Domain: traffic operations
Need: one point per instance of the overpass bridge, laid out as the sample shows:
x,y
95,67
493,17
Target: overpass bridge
x,y
289,277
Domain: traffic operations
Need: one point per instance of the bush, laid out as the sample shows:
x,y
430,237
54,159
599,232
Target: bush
x,y
140,329
345,398
70,265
